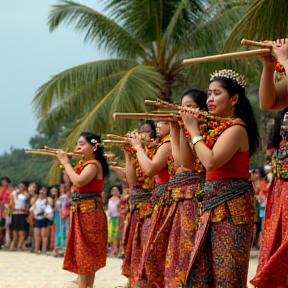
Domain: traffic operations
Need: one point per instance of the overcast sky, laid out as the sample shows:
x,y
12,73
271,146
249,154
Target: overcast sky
x,y
29,56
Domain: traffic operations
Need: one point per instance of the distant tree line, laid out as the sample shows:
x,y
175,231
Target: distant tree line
x,y
19,165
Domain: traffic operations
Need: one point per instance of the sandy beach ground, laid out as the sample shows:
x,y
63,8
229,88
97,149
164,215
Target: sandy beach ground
x,y
27,270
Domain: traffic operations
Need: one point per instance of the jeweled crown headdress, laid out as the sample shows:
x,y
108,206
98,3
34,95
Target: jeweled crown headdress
x,y
231,75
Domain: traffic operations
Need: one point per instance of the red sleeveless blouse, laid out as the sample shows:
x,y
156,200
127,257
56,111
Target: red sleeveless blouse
x,y
95,185
236,167
162,177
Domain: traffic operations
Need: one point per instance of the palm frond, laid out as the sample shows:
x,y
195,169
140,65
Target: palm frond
x,y
128,95
209,34
140,17
264,20
185,15
98,28
54,175
208,37
138,84
78,85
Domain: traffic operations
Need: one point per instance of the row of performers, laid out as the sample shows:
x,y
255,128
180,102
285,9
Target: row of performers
x,y
193,226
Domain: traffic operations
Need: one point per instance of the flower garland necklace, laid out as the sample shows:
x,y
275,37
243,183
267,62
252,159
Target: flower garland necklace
x,y
214,130
78,167
279,67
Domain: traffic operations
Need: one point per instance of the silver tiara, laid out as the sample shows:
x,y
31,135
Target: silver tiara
x,y
229,74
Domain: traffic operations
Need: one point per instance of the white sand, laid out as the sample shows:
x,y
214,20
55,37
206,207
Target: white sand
x,y
27,270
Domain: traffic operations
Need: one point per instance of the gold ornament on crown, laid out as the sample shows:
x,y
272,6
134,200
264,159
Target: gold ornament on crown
x,y
229,74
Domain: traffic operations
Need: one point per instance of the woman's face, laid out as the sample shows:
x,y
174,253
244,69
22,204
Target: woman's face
x,y
85,148
5,183
53,192
43,192
21,187
218,102
32,188
115,191
62,189
188,102
162,129
147,129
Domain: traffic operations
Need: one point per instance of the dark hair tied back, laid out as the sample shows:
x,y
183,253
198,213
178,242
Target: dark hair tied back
x,y
199,96
99,155
243,110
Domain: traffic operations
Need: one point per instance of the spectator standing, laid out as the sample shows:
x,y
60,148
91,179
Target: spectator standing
x,y
61,220
40,222
5,220
261,192
19,203
113,215
53,196
33,195
123,213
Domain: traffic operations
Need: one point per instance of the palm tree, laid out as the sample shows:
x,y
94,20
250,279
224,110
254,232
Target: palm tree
x,y
264,20
149,39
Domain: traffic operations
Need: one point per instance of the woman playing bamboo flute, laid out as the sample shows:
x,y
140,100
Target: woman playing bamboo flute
x,y
141,186
273,95
158,168
220,257
86,248
178,223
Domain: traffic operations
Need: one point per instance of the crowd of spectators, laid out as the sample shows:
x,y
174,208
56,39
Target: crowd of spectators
x,y
34,217
261,179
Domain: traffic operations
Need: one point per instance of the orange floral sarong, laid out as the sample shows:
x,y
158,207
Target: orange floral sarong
x,y
86,249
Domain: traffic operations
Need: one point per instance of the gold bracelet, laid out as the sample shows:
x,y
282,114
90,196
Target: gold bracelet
x,y
137,146
196,139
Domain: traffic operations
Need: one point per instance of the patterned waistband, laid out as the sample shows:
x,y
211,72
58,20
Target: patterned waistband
x,y
159,196
184,178
77,196
216,192
86,205
138,195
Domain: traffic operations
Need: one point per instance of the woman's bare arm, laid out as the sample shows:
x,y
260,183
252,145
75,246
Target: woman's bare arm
x,y
274,96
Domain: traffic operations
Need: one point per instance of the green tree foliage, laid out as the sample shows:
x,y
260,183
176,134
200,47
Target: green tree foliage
x,y
263,20
18,166
148,40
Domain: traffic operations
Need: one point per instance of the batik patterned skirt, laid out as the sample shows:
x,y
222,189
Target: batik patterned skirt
x,y
273,265
171,236
183,220
135,234
149,264
220,257
86,249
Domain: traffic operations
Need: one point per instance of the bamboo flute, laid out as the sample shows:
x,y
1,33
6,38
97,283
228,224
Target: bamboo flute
x,y
218,57
204,114
164,116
